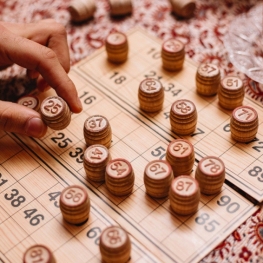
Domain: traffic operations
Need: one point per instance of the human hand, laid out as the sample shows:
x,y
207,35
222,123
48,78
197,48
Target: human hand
x,y
42,49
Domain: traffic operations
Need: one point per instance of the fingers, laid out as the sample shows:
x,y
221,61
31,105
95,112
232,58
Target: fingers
x,y
36,57
46,32
42,84
56,40
19,119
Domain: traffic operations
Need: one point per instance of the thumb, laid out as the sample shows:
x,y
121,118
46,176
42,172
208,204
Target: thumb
x,y
20,119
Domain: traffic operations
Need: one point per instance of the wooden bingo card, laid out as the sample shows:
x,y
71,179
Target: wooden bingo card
x,y
34,172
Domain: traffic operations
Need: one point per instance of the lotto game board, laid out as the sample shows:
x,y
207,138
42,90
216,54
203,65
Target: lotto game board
x,y
33,172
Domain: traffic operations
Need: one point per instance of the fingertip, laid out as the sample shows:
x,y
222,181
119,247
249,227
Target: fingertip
x,y
22,120
35,127
68,92
78,106
69,95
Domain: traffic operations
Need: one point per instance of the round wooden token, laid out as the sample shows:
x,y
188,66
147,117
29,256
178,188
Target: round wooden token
x,y
184,8
181,156
81,10
158,176
231,92
38,253
232,83
150,86
244,124
173,54
55,113
183,117
183,107
96,123
96,158
29,101
120,7
184,195
97,130
116,39
119,177
73,196
151,95
115,245
208,70
210,174
207,79
75,204
52,107
116,45
173,46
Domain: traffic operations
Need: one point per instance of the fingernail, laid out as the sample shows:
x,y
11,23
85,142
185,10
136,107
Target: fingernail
x,y
79,104
36,128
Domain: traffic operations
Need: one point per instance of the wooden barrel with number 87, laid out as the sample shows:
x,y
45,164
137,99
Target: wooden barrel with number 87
x,y
184,195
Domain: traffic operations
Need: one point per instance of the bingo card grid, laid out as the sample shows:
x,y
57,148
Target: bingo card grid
x,y
30,214
243,161
111,90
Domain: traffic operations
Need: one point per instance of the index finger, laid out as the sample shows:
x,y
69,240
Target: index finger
x,y
46,32
34,56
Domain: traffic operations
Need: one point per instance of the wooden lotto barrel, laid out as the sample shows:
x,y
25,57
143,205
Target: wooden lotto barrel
x,y
158,176
97,130
117,48
173,55
183,8
183,117
75,204
181,156
231,92
38,253
244,124
29,101
115,245
81,10
184,195
96,158
210,174
207,79
151,95
120,7
119,177
55,113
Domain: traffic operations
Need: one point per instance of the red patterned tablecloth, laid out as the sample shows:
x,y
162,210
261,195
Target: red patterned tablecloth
x,y
203,35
